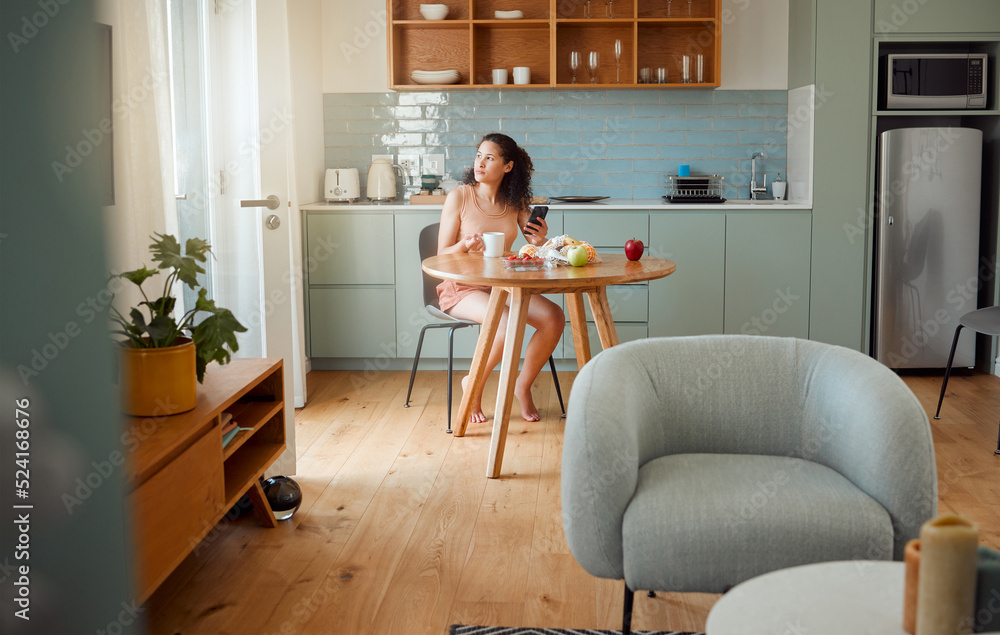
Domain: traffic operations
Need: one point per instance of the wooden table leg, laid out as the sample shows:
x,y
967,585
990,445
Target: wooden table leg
x,y
477,372
578,322
602,317
508,376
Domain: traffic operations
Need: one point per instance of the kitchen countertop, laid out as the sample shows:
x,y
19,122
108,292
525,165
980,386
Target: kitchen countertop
x,y
608,204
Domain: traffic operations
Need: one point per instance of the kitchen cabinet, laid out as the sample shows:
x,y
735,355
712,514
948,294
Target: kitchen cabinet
x,y
350,285
767,274
733,266
352,322
691,300
936,16
654,33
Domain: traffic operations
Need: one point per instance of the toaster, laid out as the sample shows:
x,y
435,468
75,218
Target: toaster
x,y
342,185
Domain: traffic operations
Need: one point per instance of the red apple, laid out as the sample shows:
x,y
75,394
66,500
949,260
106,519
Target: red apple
x,y
634,249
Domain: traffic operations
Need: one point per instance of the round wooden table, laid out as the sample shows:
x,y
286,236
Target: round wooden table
x,y
574,282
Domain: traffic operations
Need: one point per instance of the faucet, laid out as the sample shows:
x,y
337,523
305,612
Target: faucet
x,y
756,191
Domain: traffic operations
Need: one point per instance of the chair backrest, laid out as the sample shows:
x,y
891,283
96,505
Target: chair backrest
x,y
428,247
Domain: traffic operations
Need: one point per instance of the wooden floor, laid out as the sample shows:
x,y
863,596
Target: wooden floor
x,y
400,531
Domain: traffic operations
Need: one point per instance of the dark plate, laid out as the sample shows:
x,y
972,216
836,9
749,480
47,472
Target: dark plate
x,y
578,199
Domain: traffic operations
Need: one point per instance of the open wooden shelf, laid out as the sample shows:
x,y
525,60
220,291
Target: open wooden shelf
x,y
473,42
183,481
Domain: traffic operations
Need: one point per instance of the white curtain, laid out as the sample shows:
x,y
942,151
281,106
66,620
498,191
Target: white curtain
x,y
143,140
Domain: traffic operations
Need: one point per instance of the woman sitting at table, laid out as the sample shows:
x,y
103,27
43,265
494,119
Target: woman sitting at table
x,y
495,197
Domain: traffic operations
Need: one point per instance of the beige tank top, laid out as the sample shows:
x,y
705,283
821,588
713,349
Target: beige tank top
x,y
476,221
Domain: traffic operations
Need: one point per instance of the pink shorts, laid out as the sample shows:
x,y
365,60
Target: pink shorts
x,y
451,293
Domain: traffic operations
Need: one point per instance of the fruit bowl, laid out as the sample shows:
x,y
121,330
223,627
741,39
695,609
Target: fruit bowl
x,y
525,264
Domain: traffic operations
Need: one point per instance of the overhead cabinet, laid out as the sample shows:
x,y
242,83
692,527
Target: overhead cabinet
x,y
473,41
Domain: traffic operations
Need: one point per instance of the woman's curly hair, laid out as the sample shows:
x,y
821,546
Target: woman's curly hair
x,y
515,188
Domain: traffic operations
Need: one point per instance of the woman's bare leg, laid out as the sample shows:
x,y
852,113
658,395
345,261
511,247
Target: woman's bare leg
x,y
545,317
473,307
548,321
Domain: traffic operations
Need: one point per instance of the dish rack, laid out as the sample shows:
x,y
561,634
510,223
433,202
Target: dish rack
x,y
694,189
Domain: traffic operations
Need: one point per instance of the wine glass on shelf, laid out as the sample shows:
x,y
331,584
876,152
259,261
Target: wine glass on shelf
x,y
586,9
689,8
669,3
592,61
574,63
609,8
618,61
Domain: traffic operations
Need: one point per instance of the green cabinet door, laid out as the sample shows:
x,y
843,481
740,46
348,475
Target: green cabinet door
x,y
937,16
689,301
352,322
606,228
349,248
767,274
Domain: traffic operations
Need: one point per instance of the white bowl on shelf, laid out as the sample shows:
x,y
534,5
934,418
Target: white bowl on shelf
x,y
508,15
435,77
434,11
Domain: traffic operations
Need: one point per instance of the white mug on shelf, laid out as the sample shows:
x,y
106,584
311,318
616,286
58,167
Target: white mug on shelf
x,y
493,243
522,75
499,75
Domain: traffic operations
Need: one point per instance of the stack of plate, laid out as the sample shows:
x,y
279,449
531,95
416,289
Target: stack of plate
x,y
435,77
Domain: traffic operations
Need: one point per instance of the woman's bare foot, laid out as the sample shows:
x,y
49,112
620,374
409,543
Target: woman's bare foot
x,y
528,410
477,415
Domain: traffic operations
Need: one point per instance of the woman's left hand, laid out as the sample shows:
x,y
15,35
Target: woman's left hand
x,y
536,232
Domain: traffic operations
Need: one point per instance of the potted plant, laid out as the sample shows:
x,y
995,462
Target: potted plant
x,y
163,357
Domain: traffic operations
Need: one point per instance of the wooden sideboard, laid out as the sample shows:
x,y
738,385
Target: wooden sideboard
x,y
181,479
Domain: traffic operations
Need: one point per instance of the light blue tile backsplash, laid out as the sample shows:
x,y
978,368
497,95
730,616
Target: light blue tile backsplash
x,y
619,143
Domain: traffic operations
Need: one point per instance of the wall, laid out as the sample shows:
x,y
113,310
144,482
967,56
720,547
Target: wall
x,y
754,45
618,143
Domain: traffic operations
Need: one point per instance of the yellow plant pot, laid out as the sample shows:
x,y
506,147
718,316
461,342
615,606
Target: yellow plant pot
x,y
158,381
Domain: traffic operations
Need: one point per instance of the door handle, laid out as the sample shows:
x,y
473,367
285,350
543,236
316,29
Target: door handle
x,y
271,202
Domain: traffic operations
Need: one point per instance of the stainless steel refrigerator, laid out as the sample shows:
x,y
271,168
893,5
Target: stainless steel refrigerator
x,y
927,245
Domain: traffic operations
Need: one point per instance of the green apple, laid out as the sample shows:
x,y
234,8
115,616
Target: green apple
x,y
577,256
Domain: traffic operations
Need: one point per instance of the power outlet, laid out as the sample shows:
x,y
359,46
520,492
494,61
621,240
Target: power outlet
x,y
410,163
434,164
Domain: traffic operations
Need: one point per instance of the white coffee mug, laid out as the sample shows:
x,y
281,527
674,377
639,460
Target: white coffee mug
x,y
493,242
522,75
499,75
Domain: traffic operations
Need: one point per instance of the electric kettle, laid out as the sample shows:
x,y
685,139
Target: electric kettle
x,y
382,180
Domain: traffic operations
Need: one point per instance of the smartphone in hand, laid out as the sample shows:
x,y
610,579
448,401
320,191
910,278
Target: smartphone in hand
x,y
538,212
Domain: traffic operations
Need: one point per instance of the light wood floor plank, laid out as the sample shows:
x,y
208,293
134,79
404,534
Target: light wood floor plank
x,y
399,531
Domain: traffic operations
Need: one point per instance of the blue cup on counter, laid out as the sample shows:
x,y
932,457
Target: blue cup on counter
x,y
684,170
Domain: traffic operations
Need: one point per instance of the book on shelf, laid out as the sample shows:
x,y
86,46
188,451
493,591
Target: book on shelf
x,y
229,436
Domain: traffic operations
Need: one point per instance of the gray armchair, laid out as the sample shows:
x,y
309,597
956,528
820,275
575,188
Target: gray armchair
x,y
695,463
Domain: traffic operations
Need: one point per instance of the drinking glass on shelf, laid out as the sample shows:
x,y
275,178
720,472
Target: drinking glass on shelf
x,y
574,63
701,68
592,61
618,61
686,69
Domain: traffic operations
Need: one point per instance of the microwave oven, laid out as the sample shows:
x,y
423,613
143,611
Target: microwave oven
x,y
942,81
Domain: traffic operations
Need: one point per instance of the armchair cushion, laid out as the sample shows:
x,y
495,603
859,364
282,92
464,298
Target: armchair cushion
x,y
714,520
